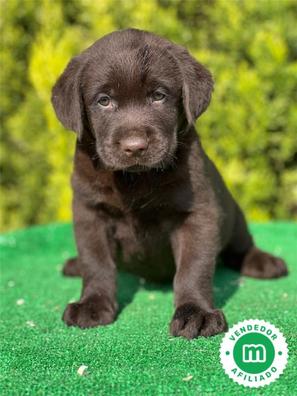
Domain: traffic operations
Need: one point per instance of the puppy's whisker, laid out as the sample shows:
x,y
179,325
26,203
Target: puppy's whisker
x,y
95,157
182,144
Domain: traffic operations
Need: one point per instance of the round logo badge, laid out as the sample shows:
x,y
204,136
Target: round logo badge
x,y
254,353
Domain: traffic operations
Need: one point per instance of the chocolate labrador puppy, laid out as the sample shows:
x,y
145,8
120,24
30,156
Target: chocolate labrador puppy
x,y
146,196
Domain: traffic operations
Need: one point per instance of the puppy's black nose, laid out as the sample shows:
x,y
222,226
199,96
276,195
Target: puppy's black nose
x,y
134,146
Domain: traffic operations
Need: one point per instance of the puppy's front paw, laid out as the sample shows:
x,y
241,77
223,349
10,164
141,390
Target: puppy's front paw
x,y
259,264
93,311
190,321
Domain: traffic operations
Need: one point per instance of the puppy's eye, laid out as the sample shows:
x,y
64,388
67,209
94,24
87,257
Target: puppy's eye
x,y
104,101
158,96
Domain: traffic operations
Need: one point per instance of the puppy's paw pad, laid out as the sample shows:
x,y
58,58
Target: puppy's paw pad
x,y
190,321
92,312
259,264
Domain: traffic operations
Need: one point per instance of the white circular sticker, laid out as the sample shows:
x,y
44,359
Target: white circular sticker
x,y
254,353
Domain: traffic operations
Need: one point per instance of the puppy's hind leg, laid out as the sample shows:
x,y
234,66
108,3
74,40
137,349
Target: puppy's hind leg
x,y
242,254
71,267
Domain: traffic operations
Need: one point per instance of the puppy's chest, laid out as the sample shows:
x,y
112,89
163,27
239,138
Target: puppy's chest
x,y
142,211
145,204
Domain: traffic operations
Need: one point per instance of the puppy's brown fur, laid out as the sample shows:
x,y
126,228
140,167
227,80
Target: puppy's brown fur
x,y
143,185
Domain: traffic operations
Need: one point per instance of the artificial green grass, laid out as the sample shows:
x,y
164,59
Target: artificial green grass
x,y
135,355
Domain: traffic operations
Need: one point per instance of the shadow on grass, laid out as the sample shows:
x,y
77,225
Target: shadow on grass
x,y
226,282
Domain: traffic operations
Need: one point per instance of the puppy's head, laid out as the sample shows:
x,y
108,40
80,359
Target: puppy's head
x,y
134,92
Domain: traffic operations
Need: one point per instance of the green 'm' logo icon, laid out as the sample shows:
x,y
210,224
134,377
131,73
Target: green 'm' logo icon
x,y
254,353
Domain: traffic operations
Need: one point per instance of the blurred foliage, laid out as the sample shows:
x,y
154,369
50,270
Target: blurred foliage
x,y
250,129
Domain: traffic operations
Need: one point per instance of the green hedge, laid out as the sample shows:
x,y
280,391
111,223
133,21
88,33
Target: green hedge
x,y
249,130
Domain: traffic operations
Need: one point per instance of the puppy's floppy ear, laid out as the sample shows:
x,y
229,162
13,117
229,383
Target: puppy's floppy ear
x,y
197,84
67,99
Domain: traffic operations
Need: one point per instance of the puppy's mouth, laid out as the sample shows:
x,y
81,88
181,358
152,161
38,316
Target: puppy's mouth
x,y
140,167
137,168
